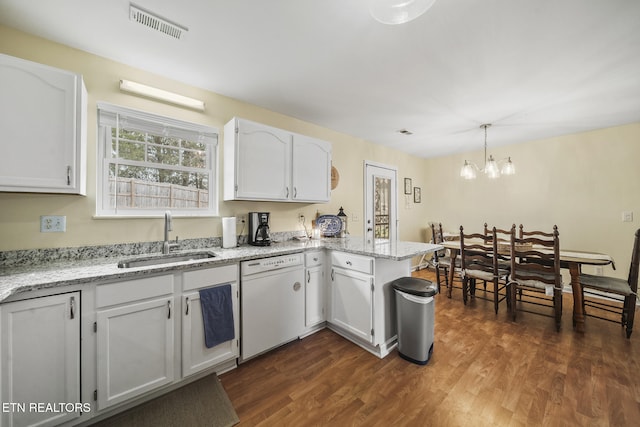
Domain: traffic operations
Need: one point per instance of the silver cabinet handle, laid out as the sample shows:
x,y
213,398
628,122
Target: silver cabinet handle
x,y
168,309
297,286
348,263
186,313
332,274
68,175
295,192
72,311
287,196
308,276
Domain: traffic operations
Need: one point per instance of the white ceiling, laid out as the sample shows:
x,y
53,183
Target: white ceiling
x,y
532,68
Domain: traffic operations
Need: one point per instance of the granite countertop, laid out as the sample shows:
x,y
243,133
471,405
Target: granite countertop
x,y
40,275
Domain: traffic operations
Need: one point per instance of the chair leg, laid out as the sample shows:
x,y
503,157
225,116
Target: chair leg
x,y
630,305
465,282
438,278
495,295
513,291
557,306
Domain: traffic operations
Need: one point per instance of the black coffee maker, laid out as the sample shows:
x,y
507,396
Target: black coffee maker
x,y
259,229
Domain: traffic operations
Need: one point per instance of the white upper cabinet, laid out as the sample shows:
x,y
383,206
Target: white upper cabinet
x,y
257,162
43,124
311,169
266,163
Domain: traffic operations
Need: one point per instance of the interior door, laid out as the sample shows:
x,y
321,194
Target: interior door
x,y
381,202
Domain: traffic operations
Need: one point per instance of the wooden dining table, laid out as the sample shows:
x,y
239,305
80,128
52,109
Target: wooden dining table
x,y
573,260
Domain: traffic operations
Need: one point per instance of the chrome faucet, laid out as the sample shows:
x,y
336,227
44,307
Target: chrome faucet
x,y
166,246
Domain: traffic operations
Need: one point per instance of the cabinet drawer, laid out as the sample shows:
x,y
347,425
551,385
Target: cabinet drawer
x,y
209,277
312,259
133,290
355,262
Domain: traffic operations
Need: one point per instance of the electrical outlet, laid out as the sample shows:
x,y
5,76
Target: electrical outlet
x,y
53,224
598,270
300,218
627,216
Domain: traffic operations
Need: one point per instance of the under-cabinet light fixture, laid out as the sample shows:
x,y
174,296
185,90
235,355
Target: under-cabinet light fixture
x,y
161,95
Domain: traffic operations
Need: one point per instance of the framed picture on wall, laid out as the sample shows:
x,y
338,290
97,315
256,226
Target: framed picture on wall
x,y
407,186
417,195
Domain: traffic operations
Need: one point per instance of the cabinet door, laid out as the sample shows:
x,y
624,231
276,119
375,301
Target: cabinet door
x,y
195,354
311,169
263,162
314,296
43,128
135,345
352,302
40,357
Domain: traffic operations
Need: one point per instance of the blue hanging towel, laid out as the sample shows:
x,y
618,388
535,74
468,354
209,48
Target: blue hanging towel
x,y
217,314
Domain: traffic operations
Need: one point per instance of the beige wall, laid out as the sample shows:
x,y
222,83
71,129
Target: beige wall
x,y
20,213
581,182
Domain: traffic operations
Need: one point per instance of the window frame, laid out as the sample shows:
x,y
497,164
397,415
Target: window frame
x,y
104,160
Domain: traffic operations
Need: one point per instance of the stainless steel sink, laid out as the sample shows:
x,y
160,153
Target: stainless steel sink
x,y
163,259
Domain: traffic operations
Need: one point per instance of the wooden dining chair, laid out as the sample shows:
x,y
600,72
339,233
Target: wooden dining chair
x,y
479,261
613,295
503,237
441,259
535,272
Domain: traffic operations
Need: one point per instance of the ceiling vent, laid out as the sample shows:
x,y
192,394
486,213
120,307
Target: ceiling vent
x,y
155,22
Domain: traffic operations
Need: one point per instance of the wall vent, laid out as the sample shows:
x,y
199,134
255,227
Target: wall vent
x,y
155,22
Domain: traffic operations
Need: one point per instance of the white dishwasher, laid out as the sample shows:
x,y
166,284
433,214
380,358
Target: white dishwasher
x,y
272,303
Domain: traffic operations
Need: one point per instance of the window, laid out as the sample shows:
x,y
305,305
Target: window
x,y
148,164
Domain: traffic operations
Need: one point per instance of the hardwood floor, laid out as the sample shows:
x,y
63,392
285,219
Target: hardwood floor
x,y
485,371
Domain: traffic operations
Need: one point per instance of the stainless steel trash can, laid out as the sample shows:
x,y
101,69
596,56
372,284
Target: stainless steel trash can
x,y
415,310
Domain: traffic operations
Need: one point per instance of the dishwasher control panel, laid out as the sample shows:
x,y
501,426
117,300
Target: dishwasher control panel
x,y
267,264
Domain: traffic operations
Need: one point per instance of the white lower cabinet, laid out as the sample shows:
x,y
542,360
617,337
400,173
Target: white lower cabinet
x,y
362,302
195,354
135,338
352,302
40,360
314,289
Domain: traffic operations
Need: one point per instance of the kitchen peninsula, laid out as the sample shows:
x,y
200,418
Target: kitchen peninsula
x,y
88,313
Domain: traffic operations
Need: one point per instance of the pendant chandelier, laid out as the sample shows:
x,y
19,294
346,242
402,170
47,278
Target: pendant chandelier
x,y
492,168
395,12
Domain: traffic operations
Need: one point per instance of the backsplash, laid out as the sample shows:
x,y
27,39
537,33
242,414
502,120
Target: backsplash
x,y
44,256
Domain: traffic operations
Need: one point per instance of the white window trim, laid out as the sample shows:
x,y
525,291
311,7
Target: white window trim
x,y
102,163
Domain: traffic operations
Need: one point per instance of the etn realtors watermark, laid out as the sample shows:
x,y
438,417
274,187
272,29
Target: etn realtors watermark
x,y
41,407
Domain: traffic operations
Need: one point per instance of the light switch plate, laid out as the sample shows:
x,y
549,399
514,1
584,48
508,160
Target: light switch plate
x,y
627,216
53,224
